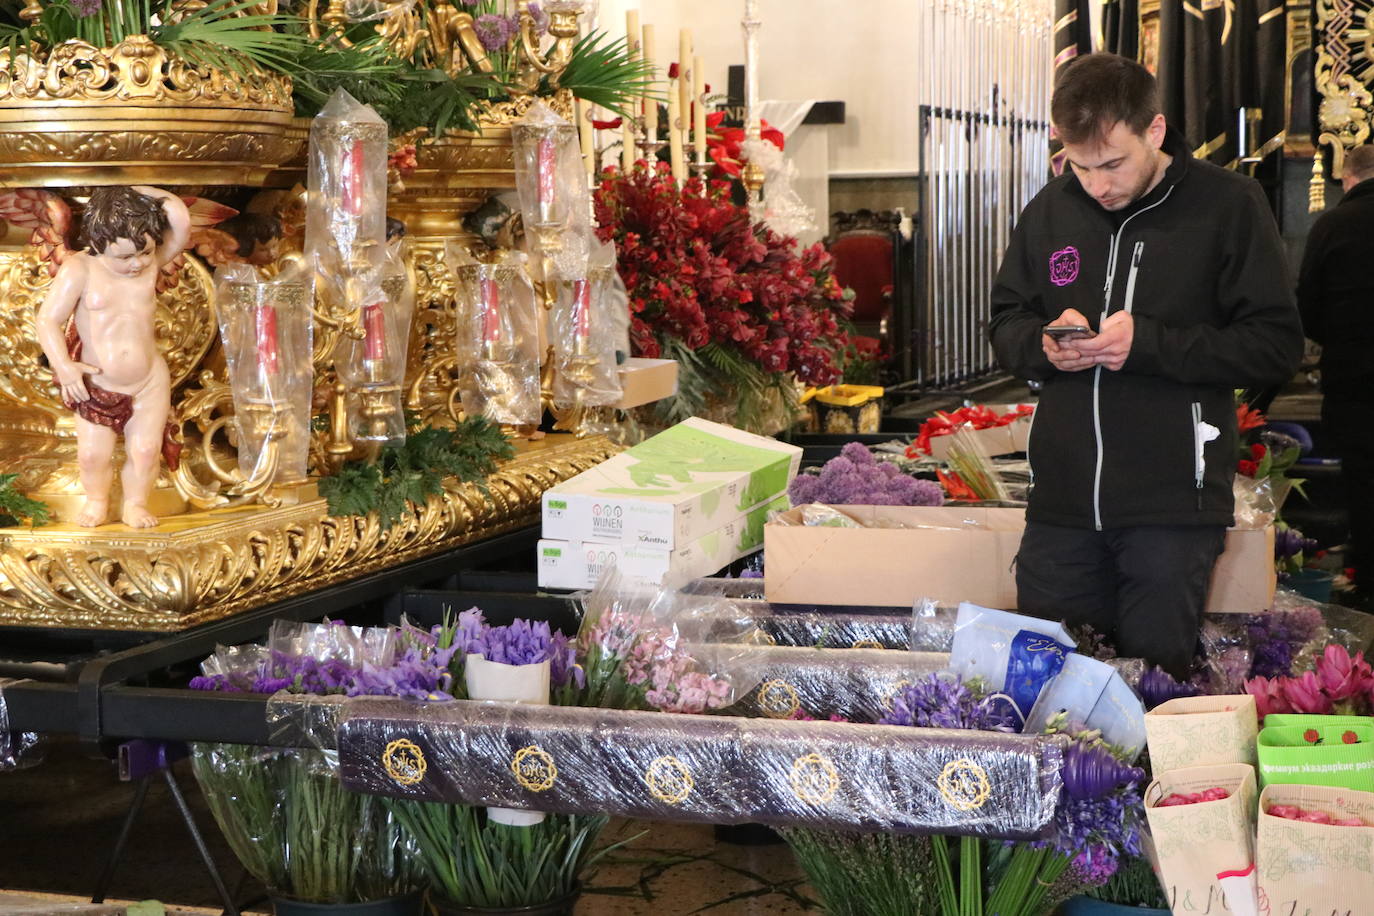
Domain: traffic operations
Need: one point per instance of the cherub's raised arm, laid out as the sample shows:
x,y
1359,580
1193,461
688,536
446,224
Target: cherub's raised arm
x,y
178,219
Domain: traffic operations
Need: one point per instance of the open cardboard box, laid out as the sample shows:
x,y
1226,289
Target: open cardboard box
x,y
954,554
644,381
998,440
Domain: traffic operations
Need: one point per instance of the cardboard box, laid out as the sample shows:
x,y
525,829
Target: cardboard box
x,y
1244,579
1195,844
671,489
574,564
998,440
1202,731
1316,868
954,554
643,381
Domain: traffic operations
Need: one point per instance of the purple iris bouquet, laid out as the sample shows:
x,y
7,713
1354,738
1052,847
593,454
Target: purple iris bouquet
x,y
1096,826
857,478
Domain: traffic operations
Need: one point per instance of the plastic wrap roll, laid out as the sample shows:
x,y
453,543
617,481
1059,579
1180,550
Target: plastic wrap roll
x,y
853,684
716,769
17,749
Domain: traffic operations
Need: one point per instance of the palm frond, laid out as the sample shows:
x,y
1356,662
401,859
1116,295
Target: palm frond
x,y
602,71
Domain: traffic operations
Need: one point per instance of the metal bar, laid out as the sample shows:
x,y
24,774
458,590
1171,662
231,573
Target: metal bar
x,y
102,884
186,817
101,673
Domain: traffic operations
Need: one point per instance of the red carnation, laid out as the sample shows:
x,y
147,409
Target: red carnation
x,y
1258,451
1246,467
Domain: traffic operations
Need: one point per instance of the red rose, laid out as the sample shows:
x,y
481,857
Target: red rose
x,y
1311,736
1246,467
1350,738
1258,451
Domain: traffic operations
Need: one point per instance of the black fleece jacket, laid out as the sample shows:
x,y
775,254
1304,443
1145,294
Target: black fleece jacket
x,y
1199,264
1336,294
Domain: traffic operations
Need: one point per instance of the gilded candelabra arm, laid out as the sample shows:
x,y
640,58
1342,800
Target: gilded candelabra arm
x,y
340,443
32,11
563,27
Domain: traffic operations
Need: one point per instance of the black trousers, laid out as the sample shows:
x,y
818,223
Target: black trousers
x,y
1349,424
1142,588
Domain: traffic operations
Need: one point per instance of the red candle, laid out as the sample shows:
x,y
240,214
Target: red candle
x,y
351,177
582,308
374,332
265,335
547,171
490,304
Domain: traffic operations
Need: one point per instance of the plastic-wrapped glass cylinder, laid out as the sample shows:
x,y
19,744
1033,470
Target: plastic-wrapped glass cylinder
x,y
583,346
555,202
267,330
498,339
373,368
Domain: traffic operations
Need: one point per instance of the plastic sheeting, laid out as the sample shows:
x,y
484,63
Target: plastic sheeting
x,y
713,769
17,749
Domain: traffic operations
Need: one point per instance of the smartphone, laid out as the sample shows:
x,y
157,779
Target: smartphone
x,y
1062,332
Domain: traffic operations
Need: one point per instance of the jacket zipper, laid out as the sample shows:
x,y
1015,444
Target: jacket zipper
x,y
1106,309
1199,462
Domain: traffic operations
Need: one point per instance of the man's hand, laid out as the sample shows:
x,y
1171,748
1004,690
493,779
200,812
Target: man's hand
x,y
70,378
1066,356
1112,344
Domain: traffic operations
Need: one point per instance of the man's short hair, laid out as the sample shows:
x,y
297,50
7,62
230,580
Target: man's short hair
x,y
1359,162
1094,92
121,213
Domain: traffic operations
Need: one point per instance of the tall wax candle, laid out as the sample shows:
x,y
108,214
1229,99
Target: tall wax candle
x,y
650,105
628,153
675,135
699,110
684,83
374,332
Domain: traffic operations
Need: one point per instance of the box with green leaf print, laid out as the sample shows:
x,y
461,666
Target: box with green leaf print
x,y
578,564
671,489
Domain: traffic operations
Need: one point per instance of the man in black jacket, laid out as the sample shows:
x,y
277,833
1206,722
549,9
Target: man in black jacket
x,y
1176,270
1336,299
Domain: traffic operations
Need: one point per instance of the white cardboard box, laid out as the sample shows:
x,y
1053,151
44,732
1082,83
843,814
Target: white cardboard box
x,y
669,490
578,564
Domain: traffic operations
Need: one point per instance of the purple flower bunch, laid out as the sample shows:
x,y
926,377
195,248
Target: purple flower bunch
x,y
84,9
417,671
938,701
521,642
1290,542
1095,833
1277,637
495,31
857,478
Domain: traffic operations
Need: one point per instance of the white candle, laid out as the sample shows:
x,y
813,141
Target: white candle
x,y
650,105
684,83
586,137
675,135
628,153
751,69
699,112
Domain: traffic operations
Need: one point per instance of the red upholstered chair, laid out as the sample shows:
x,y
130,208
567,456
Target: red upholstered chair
x,y
862,245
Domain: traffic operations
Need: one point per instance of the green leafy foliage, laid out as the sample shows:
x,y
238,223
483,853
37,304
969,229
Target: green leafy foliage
x,y
16,507
706,372
604,73
412,472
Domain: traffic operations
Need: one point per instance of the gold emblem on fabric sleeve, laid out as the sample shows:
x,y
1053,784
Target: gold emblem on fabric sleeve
x,y
669,780
964,784
814,779
534,768
404,762
778,699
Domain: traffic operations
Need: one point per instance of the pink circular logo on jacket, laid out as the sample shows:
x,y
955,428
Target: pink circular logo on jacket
x,y
1064,266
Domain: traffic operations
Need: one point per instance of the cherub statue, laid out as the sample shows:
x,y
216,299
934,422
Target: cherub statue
x,y
107,362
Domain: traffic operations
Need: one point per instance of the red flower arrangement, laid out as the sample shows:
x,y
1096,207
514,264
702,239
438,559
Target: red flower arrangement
x,y
700,273
977,416
723,143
